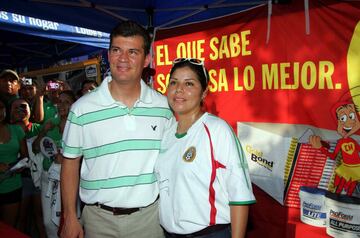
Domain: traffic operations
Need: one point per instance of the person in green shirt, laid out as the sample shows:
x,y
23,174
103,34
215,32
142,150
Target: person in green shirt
x,y
12,143
31,197
50,120
33,92
53,128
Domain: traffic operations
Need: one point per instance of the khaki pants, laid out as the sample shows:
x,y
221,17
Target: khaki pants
x,y
99,223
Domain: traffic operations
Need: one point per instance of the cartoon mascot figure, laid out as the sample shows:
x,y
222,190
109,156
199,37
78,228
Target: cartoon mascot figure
x,y
347,174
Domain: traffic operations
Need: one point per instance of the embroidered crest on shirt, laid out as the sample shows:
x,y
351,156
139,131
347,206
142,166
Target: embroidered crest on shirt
x,y
189,154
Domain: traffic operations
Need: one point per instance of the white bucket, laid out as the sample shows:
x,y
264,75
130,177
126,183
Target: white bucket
x,y
343,216
312,206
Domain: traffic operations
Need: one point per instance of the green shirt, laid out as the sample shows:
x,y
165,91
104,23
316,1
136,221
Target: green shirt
x,y
34,130
51,114
9,154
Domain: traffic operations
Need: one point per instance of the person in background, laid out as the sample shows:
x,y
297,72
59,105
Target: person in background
x,y
9,88
12,144
87,86
49,128
116,130
31,200
32,91
50,121
64,101
203,176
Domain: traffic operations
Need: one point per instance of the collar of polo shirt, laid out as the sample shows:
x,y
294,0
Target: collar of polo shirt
x,y
106,99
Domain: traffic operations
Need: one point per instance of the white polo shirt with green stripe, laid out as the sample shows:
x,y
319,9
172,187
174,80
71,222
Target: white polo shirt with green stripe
x,y
119,145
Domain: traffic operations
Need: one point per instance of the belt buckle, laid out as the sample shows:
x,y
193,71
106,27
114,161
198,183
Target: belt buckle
x,y
116,211
123,211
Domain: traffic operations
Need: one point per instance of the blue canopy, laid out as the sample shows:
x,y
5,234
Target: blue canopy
x,y
82,21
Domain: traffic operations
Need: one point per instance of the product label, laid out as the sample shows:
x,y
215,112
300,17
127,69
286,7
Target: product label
x,y
343,226
313,214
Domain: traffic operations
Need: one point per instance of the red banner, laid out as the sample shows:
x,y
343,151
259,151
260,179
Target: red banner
x,y
272,68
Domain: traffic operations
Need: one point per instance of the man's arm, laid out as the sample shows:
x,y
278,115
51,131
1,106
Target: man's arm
x,y
69,192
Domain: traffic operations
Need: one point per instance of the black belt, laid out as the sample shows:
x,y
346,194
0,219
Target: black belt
x,y
116,210
206,231
119,210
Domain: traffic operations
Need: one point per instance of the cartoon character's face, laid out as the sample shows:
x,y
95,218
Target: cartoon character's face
x,y
348,120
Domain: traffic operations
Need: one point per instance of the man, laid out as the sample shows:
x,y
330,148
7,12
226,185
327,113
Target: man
x,y
117,128
9,88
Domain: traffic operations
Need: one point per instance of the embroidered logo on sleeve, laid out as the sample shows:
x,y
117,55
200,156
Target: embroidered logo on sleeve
x,y
189,154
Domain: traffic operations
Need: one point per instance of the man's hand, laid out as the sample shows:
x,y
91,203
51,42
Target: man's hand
x,y
315,141
72,228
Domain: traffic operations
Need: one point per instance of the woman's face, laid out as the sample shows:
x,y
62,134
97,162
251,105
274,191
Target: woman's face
x,y
64,104
88,87
184,91
28,92
20,111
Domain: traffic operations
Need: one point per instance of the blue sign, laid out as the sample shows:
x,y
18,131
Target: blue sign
x,y
50,29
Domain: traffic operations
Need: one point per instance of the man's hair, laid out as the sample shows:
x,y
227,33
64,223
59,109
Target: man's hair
x,y
131,28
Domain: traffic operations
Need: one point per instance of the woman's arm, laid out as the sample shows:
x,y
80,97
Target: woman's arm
x,y
36,144
23,149
239,218
38,110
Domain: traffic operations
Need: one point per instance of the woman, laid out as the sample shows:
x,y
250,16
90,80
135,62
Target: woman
x,y
12,144
31,200
202,173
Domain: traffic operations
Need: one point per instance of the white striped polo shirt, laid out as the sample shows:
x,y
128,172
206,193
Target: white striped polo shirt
x,y
196,188
119,145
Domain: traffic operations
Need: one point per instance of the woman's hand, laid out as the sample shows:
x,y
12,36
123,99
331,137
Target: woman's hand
x,y
3,167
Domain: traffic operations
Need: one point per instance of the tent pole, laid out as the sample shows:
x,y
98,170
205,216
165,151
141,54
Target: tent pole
x,y
269,21
307,17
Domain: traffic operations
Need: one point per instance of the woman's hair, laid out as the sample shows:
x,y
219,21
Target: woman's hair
x,y
86,81
198,69
70,94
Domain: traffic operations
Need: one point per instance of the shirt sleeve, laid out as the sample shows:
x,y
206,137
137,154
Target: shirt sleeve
x,y
235,175
73,136
34,130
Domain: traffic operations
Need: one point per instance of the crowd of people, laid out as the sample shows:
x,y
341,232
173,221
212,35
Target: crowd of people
x,y
142,164
31,110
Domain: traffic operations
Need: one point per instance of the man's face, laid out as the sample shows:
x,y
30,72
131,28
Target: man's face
x,y
9,84
127,58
